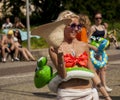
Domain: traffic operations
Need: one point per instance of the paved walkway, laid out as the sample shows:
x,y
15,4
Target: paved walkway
x,y
16,78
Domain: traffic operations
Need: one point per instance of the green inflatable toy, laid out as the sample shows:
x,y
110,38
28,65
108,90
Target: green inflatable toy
x,y
43,73
99,42
45,76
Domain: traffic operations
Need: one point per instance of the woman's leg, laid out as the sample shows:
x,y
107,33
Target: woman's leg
x,y
3,49
24,53
103,78
14,49
28,53
103,75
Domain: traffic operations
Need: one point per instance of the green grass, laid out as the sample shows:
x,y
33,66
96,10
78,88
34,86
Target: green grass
x,y
36,43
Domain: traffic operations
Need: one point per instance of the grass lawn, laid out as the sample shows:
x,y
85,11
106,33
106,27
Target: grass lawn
x,y
36,43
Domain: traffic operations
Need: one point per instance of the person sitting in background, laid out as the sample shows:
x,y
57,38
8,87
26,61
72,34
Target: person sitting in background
x,y
8,45
17,36
18,24
25,52
7,24
112,37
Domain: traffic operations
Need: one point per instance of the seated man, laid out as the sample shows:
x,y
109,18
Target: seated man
x,y
7,24
7,45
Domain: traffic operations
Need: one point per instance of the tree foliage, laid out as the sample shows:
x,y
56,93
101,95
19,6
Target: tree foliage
x,y
48,10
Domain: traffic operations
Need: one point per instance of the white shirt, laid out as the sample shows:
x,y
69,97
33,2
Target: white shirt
x,y
15,39
7,25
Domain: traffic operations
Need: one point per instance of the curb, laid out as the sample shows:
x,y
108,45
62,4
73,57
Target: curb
x,y
40,52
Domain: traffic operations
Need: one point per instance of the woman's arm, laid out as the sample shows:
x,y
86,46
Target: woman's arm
x,y
105,36
58,61
21,25
92,30
53,56
93,47
61,67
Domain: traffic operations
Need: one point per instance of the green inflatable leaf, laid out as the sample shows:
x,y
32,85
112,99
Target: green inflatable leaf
x,y
42,62
78,68
42,77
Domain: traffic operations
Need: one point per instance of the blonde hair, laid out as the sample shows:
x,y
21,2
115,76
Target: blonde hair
x,y
85,21
66,14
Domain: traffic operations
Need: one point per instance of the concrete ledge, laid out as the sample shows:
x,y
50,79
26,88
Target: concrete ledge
x,y
40,52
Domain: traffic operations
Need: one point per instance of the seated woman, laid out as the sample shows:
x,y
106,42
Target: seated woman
x,y
18,24
17,39
75,86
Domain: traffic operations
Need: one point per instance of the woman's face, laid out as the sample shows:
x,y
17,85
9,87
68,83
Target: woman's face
x,y
71,31
16,33
98,19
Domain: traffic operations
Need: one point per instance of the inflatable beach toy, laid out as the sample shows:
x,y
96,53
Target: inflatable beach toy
x,y
74,72
43,73
101,44
45,76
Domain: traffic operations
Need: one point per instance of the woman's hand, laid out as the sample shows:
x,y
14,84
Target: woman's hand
x,y
108,98
61,66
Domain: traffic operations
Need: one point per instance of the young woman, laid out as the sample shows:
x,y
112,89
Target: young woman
x,y
98,30
75,86
26,53
18,24
67,52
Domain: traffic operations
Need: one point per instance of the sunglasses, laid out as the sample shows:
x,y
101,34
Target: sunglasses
x,y
98,18
73,26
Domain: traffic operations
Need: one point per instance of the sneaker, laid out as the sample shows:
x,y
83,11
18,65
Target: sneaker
x,y
16,59
4,60
12,60
117,47
108,89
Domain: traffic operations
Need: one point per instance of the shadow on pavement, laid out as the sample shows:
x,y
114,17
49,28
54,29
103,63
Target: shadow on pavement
x,y
113,97
12,91
27,93
45,95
